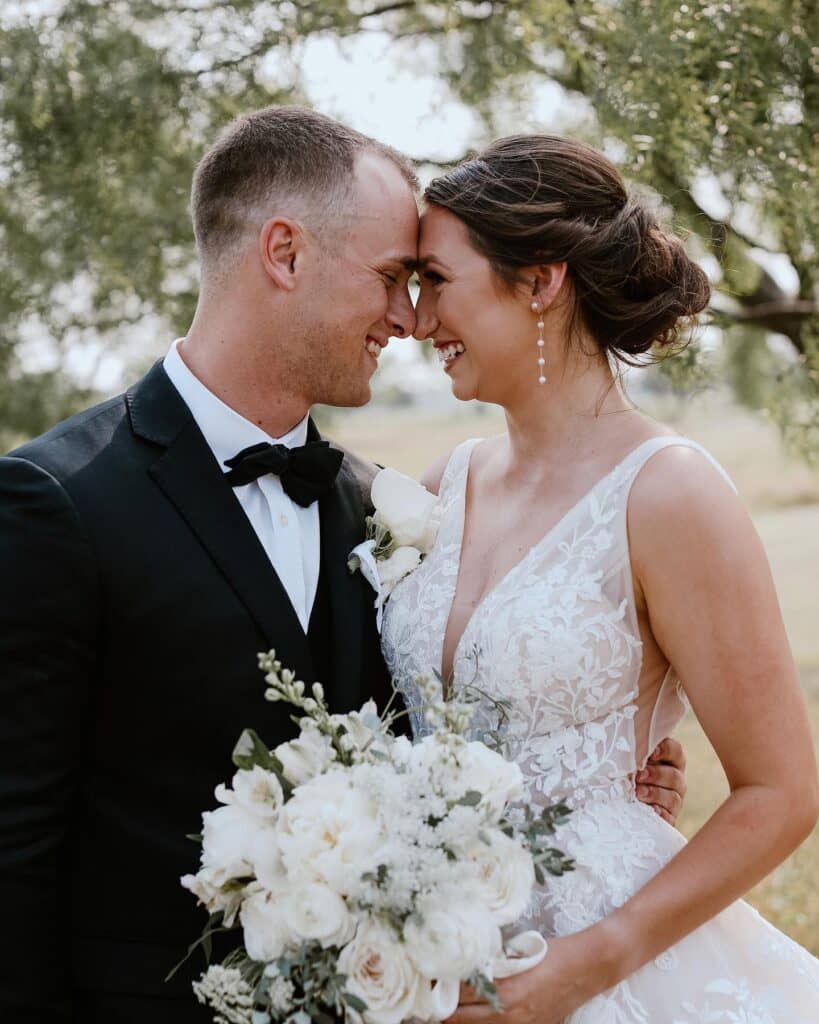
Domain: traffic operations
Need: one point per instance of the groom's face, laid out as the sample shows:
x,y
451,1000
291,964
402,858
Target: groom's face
x,y
362,282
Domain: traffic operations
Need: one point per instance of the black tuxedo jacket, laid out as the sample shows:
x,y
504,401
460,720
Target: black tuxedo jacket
x,y
134,597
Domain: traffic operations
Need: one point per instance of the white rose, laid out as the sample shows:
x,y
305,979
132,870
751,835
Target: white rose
x,y
315,913
266,931
306,757
453,939
405,508
430,534
330,832
380,973
400,564
505,874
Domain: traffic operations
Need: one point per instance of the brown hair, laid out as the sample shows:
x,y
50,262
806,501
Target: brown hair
x,y
531,199
278,153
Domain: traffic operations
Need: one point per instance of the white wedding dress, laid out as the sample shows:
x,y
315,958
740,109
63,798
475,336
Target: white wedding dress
x,y
557,638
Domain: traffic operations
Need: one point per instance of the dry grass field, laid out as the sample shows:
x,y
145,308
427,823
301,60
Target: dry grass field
x,y
783,498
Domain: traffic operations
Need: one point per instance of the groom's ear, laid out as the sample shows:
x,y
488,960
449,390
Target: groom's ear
x,y
281,244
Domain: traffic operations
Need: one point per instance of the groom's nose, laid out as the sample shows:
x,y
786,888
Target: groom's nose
x,y
401,317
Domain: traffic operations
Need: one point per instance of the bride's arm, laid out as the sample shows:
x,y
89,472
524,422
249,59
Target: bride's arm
x,y
713,610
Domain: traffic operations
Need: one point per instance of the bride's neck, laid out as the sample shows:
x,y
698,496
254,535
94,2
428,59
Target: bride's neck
x,y
566,416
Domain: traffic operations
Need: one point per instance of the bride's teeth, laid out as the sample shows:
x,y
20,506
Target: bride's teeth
x,y
373,348
448,352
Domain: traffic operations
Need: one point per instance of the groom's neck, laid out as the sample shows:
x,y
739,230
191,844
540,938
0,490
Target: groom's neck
x,y
225,367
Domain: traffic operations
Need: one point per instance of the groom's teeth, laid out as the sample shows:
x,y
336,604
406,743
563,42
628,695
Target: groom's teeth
x,y
373,348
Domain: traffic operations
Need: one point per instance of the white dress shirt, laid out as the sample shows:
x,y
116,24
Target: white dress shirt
x,y
288,533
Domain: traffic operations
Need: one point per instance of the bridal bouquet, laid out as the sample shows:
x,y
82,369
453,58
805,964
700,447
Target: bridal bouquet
x,y
369,876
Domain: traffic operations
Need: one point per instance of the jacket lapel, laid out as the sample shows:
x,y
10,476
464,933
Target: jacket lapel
x,y
342,516
190,477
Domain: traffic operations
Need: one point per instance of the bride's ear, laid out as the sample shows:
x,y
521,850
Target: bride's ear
x,y
547,281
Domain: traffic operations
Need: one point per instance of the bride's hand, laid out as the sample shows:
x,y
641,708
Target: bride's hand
x,y
574,970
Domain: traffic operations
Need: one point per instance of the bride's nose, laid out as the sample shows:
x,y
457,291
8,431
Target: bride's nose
x,y
426,322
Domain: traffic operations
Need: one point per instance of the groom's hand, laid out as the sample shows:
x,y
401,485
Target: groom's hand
x,y
662,783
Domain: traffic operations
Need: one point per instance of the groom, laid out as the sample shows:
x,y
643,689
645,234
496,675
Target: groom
x,y
149,547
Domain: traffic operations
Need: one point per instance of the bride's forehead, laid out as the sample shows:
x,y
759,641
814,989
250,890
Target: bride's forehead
x,y
438,225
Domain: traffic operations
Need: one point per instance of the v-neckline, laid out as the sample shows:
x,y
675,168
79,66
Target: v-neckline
x,y
448,681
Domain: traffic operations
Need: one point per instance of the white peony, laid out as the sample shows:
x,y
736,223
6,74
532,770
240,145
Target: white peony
x,y
401,563
406,509
306,757
266,930
330,832
380,973
453,938
315,913
505,875
232,839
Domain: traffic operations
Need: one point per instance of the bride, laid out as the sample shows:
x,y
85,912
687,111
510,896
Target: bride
x,y
590,566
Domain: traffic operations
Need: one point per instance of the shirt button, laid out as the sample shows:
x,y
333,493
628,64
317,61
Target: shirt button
x,y
283,519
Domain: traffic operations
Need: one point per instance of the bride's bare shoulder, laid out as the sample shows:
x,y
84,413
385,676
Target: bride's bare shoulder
x,y
682,505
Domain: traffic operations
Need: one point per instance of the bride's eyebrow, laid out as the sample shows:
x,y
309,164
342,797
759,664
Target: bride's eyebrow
x,y
426,260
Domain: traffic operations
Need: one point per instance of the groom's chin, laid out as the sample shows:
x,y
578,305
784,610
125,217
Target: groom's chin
x,y
350,398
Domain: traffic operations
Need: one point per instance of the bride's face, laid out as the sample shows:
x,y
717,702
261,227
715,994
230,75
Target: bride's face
x,y
485,333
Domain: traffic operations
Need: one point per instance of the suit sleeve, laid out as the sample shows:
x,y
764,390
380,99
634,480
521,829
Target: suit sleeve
x,y
48,626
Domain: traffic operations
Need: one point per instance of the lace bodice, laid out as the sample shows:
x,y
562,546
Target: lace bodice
x,y
554,649
554,660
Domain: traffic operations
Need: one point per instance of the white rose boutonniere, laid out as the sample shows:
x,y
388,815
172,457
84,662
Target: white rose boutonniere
x,y
400,532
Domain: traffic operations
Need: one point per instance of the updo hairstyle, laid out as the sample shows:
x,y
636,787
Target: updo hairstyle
x,y
531,199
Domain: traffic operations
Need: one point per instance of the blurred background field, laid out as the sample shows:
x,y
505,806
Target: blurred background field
x,y
783,498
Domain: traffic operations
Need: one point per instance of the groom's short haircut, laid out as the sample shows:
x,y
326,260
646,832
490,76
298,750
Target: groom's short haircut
x,y
279,160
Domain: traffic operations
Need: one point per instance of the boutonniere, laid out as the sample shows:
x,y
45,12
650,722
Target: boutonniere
x,y
400,532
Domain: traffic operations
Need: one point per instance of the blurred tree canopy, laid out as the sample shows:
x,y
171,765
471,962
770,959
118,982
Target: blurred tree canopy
x,y
105,106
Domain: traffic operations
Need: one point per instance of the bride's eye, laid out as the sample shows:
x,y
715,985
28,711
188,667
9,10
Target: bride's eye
x,y
432,277
391,278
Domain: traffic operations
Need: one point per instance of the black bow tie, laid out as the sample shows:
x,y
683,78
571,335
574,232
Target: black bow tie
x,y
307,473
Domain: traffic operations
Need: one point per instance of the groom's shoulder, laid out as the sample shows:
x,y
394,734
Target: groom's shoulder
x,y
76,441
361,469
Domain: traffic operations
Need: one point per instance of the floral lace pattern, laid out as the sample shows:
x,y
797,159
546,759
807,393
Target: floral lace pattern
x,y
552,658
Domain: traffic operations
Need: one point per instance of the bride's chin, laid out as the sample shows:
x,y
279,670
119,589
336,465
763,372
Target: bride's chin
x,y
464,391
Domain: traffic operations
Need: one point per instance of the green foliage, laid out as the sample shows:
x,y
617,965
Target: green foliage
x,y
105,107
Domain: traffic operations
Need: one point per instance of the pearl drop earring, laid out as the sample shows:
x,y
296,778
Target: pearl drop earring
x,y
541,362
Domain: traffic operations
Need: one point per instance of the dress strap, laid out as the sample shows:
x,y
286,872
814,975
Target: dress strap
x,y
457,465
634,462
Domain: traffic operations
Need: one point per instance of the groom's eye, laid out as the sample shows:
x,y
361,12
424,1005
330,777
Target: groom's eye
x,y
432,277
391,278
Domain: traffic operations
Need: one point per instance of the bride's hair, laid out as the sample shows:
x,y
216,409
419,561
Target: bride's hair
x,y
531,199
